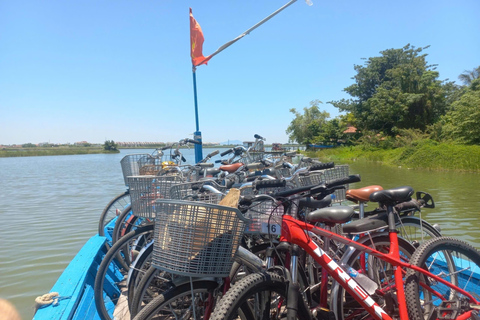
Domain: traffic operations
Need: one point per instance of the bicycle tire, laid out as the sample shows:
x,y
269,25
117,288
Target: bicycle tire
x,y
121,223
416,230
111,210
379,271
138,269
257,287
113,265
457,262
176,301
154,282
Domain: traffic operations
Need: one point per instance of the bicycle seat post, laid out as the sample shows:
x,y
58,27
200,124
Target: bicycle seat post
x,y
389,198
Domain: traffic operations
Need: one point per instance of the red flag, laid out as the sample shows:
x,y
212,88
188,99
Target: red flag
x,y
196,42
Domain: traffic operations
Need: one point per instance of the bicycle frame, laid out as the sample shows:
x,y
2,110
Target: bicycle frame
x,y
295,231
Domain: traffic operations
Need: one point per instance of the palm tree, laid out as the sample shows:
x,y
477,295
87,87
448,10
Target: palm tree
x,y
468,76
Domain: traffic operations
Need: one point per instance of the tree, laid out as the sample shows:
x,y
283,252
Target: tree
x,y
461,123
28,145
332,131
394,91
110,145
468,76
305,127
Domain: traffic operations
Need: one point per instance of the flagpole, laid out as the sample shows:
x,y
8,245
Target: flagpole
x,y
197,135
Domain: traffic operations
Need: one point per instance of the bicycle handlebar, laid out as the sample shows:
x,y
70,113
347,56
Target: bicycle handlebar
x,y
214,153
261,184
257,136
192,141
224,153
170,146
322,188
321,166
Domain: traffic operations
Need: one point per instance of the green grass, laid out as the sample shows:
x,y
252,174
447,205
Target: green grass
x,y
441,156
50,151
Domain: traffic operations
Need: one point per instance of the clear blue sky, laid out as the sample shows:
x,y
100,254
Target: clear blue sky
x,y
121,70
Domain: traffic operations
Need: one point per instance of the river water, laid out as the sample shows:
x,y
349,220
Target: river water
x,y
49,208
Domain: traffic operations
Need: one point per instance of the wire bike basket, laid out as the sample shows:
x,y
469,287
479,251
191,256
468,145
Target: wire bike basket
x,y
266,216
133,163
319,176
144,190
196,239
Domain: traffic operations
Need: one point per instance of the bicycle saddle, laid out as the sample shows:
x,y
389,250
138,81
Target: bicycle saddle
x,y
331,215
392,196
362,194
231,168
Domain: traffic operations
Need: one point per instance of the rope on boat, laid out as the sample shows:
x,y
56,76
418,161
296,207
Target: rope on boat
x,y
47,299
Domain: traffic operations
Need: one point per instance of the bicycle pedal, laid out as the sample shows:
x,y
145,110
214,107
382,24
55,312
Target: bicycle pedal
x,y
474,315
323,314
391,302
448,310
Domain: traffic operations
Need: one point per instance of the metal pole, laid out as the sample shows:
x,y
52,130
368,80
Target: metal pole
x,y
229,43
197,135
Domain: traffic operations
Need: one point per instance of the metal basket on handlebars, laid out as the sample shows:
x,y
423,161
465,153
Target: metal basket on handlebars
x,y
320,176
134,164
196,239
193,191
266,216
144,190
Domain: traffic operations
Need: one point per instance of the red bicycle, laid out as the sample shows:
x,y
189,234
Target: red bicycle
x,y
441,280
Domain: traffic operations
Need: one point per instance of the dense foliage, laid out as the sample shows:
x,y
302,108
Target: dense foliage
x,y
396,96
110,145
462,122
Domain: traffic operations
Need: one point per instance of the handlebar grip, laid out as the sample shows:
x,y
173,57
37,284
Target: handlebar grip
x,y
321,166
270,183
257,136
183,159
409,205
224,153
214,153
341,181
193,141
167,147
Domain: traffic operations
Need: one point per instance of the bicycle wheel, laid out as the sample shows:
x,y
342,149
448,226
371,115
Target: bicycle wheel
x,y
127,222
452,260
113,209
258,296
109,281
187,301
138,269
155,282
373,275
416,230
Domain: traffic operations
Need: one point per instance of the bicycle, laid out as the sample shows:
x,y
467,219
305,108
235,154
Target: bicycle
x,y
248,295
197,242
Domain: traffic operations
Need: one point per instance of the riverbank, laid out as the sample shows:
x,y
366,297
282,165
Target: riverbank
x,y
425,155
51,151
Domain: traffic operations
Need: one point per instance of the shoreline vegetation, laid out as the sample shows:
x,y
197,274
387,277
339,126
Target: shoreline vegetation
x,y
52,151
424,155
60,150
